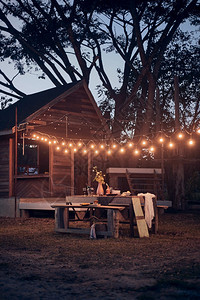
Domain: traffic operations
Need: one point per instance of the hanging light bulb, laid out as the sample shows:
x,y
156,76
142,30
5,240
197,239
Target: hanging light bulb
x,y
66,151
70,144
96,152
63,143
92,146
58,148
122,150
180,135
161,139
136,152
144,143
171,145
54,141
152,149
45,139
84,151
102,146
109,152
191,142
114,146
198,130
130,145
75,150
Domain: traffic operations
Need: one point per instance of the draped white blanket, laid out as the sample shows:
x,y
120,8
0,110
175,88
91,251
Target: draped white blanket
x,y
148,207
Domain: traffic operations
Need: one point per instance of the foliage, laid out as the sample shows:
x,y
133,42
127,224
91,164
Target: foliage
x,y
99,177
66,40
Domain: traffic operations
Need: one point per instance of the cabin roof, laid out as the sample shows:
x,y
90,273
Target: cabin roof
x,y
49,111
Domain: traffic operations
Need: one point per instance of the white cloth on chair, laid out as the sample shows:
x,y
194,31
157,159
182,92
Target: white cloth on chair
x,y
148,207
93,232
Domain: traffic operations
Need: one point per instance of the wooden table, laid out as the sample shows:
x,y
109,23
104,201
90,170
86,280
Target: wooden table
x,y
62,219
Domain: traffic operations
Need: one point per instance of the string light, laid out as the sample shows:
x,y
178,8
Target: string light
x,y
144,143
136,152
180,136
191,142
152,149
161,140
102,146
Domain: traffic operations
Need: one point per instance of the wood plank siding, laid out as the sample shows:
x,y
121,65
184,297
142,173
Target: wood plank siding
x,y
4,166
60,173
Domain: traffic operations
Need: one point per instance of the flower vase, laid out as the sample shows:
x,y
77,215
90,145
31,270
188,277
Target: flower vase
x,y
100,190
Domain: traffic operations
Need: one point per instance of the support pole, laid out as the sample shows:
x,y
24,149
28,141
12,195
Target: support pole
x,y
15,178
89,167
72,172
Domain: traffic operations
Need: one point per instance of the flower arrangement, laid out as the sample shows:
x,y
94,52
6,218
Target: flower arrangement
x,y
99,177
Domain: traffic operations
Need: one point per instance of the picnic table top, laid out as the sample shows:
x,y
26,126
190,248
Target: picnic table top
x,y
86,205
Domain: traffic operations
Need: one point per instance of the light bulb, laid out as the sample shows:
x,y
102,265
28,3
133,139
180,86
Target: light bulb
x,y
191,142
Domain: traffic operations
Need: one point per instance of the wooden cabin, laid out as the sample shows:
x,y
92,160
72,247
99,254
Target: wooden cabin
x,y
32,129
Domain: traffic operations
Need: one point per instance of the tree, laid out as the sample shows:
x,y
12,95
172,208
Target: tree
x,y
138,31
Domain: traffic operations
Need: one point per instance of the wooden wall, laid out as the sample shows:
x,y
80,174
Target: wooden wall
x,y
33,187
60,173
4,167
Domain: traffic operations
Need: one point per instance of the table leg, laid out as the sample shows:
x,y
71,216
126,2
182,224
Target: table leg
x,y
131,215
66,218
61,218
113,222
155,216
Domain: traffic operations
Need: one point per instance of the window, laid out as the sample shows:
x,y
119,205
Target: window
x,y
33,160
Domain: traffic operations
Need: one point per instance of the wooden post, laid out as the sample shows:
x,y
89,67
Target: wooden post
x,y
72,172
15,178
51,169
11,167
131,216
89,167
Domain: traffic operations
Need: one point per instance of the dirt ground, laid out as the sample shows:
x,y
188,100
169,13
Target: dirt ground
x,y
37,263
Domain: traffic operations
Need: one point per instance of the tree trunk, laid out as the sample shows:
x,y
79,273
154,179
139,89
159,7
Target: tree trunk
x,y
178,176
178,167
149,105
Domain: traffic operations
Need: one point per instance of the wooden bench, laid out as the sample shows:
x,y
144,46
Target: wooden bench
x,y
62,220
